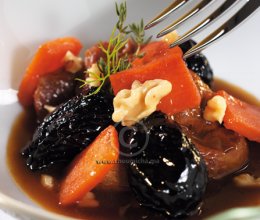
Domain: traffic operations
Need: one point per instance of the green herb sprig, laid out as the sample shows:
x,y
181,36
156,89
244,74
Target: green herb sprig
x,y
118,39
121,12
138,35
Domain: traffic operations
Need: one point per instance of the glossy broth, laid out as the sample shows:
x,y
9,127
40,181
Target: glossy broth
x,y
121,204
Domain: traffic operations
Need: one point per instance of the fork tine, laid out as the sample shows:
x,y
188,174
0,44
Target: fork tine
x,y
173,7
191,13
210,19
234,21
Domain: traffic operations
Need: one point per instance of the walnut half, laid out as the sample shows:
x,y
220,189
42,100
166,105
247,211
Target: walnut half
x,y
130,106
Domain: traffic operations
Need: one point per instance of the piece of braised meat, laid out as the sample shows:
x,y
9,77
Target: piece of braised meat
x,y
93,54
224,151
52,90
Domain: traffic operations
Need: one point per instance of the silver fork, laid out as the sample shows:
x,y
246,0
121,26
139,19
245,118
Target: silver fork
x,y
249,7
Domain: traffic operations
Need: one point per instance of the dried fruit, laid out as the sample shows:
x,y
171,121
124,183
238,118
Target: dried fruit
x,y
169,175
68,130
198,63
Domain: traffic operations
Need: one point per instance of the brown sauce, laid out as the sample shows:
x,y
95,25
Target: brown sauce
x,y
221,195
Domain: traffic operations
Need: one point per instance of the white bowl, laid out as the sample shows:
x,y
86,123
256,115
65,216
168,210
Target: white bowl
x,y
25,24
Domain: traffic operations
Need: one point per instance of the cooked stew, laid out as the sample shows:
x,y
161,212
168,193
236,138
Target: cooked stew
x,y
133,131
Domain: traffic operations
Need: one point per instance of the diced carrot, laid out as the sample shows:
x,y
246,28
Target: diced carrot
x,y
47,59
90,167
155,50
166,64
242,117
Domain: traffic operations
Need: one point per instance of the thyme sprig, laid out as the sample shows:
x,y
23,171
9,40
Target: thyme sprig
x,y
119,37
115,44
121,12
138,35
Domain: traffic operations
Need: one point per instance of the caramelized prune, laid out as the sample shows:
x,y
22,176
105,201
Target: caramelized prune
x,y
187,45
168,175
68,130
198,63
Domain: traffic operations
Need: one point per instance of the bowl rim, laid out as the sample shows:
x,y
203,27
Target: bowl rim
x,y
11,205
8,203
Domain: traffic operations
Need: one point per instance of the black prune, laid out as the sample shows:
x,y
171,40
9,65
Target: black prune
x,y
198,63
187,45
168,175
68,130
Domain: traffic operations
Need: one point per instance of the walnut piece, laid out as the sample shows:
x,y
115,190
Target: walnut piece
x,y
93,75
130,106
89,201
49,108
47,181
72,63
215,109
247,180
